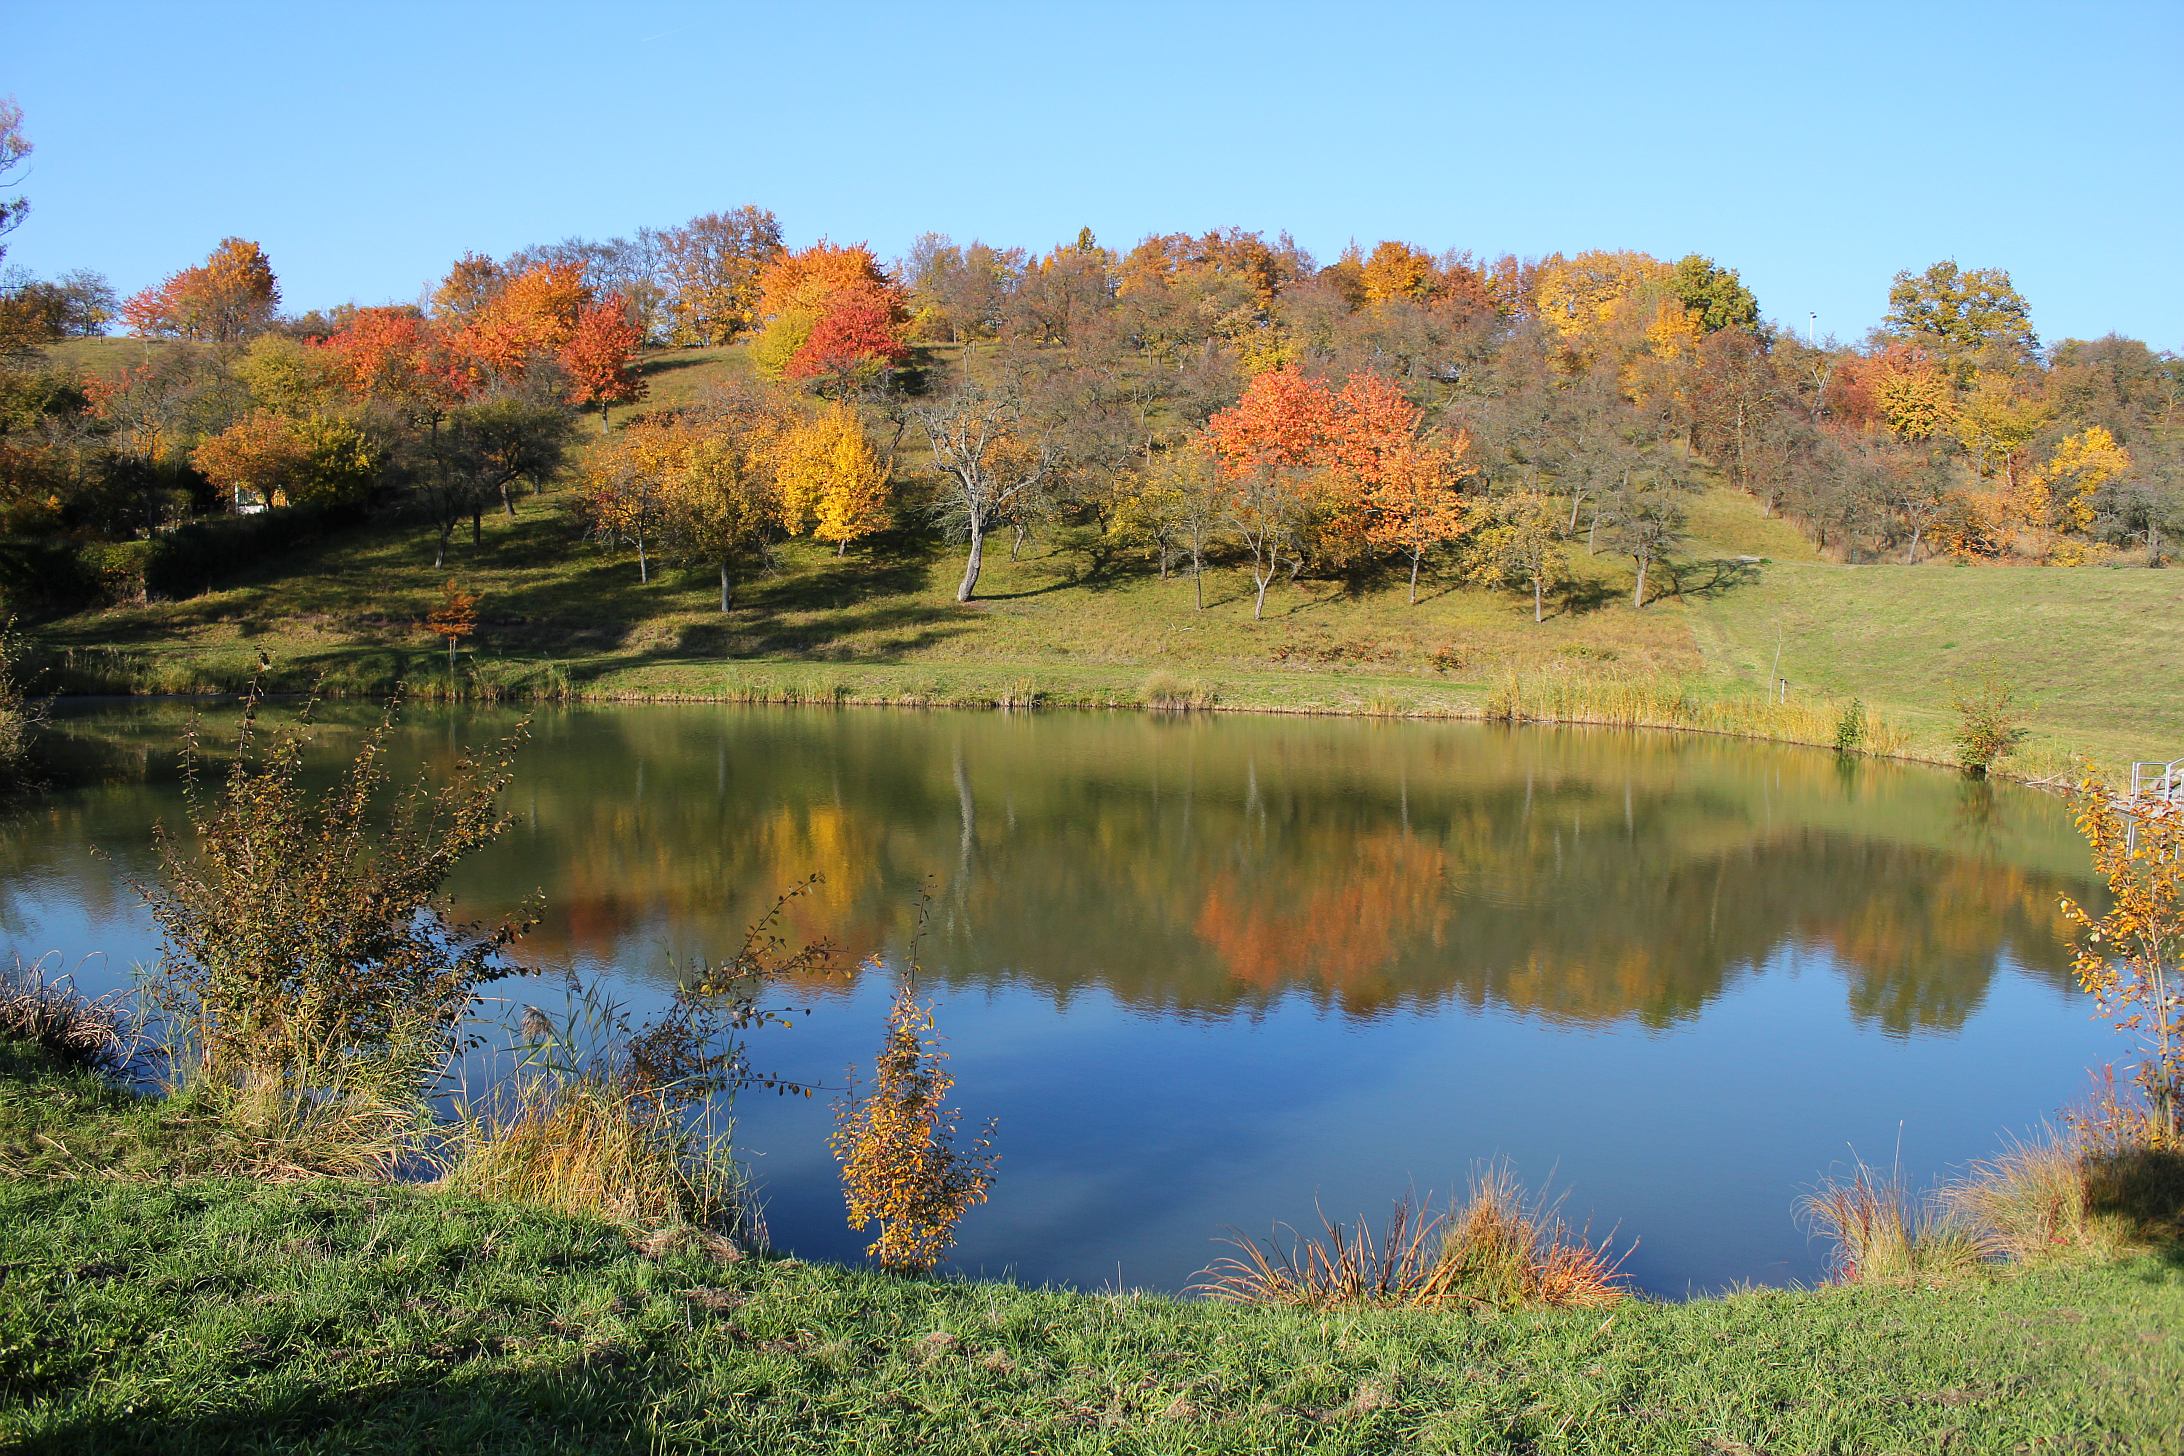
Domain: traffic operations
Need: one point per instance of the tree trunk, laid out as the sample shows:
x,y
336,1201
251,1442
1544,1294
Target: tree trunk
x,y
1638,594
508,502
1592,529
1198,576
1539,605
841,548
1414,578
439,545
1016,544
644,570
725,597
1261,574
977,558
477,526
1911,557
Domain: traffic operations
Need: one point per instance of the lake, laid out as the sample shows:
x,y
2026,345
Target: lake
x,y
1211,973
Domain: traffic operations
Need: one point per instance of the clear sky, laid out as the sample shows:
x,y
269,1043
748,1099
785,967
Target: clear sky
x,y
1816,148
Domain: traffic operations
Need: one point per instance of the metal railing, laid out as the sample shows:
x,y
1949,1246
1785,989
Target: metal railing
x,y
2163,781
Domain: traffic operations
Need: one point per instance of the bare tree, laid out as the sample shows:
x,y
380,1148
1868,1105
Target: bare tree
x,y
992,461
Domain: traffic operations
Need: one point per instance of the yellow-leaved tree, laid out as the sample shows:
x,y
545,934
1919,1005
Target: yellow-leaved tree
x,y
2059,497
832,482
901,1168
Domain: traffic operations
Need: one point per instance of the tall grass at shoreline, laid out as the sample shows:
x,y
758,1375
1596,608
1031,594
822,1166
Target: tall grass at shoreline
x,y
1500,1248
1553,695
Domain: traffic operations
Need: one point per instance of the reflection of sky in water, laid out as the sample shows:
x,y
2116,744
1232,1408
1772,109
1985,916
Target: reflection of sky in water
x,y
1204,977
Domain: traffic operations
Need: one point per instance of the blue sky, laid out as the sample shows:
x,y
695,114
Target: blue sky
x,y
1816,148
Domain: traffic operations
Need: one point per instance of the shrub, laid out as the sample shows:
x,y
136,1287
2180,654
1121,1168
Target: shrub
x,y
2131,959
901,1168
121,569
308,973
1850,729
21,716
1989,725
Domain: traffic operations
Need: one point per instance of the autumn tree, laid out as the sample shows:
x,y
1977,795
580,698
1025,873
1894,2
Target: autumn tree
x,y
1404,491
1271,445
2131,957
453,617
622,487
990,457
1647,520
530,316
831,481
469,286
1964,318
2062,495
599,357
901,1168
721,503
228,297
832,314
960,294
1176,501
269,459
1517,539
14,147
487,445
712,265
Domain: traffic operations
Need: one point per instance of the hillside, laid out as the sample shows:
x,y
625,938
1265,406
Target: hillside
x,y
2085,647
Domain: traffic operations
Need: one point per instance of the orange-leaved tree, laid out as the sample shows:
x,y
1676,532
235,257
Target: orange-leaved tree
x,y
230,296
831,313
1270,446
454,617
531,315
600,356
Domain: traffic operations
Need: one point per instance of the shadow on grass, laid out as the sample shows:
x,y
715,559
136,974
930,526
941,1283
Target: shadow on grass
x,y
599,1404
1709,579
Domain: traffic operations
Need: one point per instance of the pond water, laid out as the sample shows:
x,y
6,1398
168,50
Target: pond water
x,y
1212,973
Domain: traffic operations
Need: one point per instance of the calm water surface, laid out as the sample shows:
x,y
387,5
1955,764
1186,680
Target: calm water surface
x,y
1209,974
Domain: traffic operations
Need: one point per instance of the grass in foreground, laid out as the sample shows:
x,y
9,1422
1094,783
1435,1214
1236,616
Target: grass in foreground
x,y
222,1314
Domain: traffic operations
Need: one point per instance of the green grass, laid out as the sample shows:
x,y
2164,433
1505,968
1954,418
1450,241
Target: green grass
x,y
139,1312
2093,650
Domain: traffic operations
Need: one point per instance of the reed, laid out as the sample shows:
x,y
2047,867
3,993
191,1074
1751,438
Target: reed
x,y
1558,694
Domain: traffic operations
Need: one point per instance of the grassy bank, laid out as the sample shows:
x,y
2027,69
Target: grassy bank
x,y
141,1312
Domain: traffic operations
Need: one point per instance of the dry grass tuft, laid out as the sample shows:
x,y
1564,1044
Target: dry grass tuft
x,y
582,1145
1167,693
67,1026
1879,1232
1500,1250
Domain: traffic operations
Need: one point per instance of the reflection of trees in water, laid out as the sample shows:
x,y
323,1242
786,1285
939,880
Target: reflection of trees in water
x,y
1210,867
